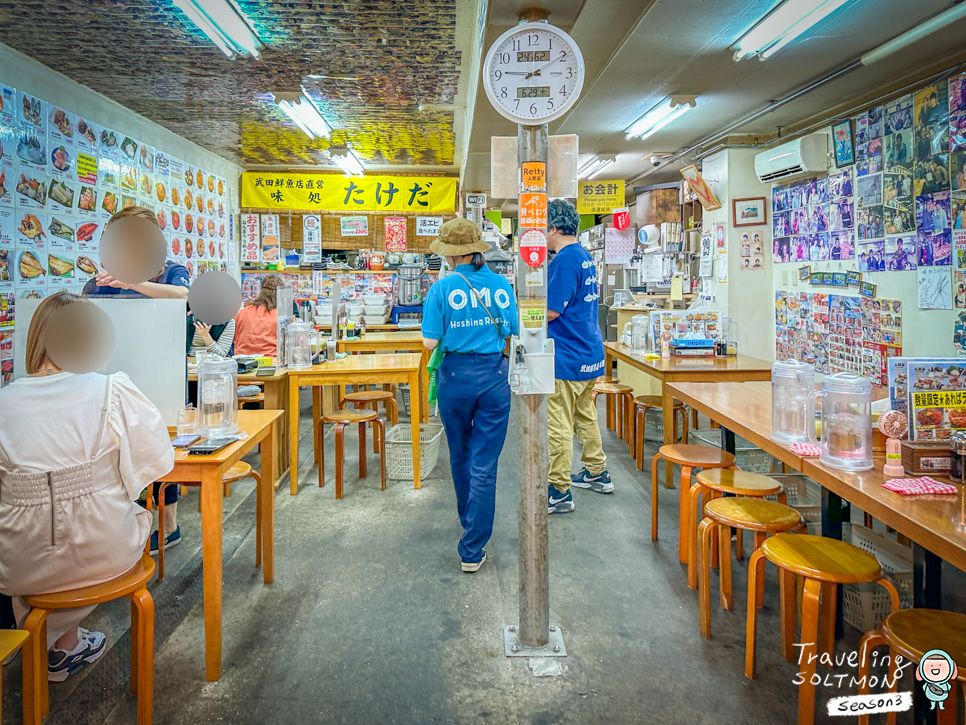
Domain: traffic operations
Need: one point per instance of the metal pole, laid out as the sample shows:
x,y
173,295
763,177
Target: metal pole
x,y
534,574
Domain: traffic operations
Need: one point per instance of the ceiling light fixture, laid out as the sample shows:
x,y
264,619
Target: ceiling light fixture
x,y
782,25
347,159
668,110
299,108
222,21
601,163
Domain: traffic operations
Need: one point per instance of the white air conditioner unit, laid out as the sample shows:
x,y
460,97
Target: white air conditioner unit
x,y
802,157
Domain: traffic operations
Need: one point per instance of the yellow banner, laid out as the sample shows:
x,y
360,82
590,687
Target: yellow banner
x,y
331,192
951,399
600,197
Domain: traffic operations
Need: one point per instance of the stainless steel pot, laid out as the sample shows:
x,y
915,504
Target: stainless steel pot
x,y
410,284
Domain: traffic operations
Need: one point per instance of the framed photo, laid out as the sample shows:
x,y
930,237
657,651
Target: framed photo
x,y
700,188
749,212
804,272
854,278
844,143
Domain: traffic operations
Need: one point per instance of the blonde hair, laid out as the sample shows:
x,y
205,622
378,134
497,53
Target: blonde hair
x,y
133,211
36,350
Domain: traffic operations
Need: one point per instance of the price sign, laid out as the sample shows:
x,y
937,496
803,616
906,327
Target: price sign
x,y
534,176
533,247
533,211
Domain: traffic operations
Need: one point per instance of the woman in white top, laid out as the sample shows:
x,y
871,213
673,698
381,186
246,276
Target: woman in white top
x,y
76,451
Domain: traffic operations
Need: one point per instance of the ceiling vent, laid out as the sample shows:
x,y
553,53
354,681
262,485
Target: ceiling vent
x,y
802,157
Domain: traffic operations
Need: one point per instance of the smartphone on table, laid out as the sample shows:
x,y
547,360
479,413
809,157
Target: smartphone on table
x,y
183,441
209,446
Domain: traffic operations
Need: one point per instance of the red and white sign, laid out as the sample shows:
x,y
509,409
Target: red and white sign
x,y
622,218
533,247
251,240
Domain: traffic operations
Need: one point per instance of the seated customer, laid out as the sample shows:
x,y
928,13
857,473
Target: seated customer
x,y
82,450
216,339
255,324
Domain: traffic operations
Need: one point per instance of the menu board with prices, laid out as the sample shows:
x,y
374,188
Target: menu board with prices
x,y
270,238
311,238
251,241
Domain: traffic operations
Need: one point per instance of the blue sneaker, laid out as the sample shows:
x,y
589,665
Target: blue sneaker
x,y
600,483
61,665
172,539
559,503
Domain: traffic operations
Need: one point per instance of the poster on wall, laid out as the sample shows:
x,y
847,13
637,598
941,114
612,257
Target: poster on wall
x,y
395,233
428,226
354,226
251,238
935,290
707,255
752,249
311,238
619,245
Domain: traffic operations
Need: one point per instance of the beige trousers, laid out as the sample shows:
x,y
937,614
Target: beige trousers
x,y
571,409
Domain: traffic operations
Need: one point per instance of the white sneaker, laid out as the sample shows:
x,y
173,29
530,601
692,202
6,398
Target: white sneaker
x,y
470,566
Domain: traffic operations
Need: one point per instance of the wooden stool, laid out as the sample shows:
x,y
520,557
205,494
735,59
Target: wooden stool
x,y
366,398
342,418
713,483
611,419
740,512
642,404
624,395
824,563
688,457
912,633
237,472
132,585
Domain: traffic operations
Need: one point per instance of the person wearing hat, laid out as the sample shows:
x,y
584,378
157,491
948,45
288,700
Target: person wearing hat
x,y
469,313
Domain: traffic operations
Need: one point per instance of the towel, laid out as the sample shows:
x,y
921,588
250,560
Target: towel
x,y
806,449
914,486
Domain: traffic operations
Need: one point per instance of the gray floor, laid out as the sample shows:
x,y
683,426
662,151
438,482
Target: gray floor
x,y
370,620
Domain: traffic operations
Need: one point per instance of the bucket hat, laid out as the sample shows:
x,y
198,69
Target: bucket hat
x,y
458,237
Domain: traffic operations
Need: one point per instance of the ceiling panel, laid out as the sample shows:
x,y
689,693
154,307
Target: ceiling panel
x,y
373,61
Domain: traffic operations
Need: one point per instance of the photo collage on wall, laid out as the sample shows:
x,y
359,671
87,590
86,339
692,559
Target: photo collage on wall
x,y
869,213
837,333
800,222
897,187
931,182
62,177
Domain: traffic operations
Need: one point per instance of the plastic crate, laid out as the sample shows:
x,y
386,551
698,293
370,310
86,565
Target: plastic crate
x,y
654,426
747,456
404,389
866,605
399,450
804,495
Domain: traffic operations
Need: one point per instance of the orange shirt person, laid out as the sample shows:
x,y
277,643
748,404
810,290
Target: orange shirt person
x,y
255,324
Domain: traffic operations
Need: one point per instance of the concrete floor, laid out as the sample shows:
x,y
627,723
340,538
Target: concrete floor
x,y
371,621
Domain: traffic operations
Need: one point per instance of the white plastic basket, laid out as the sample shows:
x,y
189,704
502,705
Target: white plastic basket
x,y
404,389
654,426
804,495
866,605
747,456
399,450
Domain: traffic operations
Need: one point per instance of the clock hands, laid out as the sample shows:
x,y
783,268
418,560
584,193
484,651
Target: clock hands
x,y
544,67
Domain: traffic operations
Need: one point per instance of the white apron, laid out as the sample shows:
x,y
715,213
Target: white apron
x,y
70,528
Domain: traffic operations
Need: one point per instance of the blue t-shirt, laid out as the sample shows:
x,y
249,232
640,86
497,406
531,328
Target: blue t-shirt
x,y
453,314
572,292
174,274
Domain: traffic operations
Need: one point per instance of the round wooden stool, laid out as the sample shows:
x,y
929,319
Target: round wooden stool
x,y
611,418
824,563
911,633
371,399
624,395
713,483
342,418
739,512
689,457
133,585
237,472
644,403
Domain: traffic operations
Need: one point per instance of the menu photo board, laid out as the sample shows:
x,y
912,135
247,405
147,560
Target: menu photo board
x,y
270,238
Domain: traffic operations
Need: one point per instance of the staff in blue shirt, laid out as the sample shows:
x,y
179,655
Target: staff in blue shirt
x,y
470,312
578,361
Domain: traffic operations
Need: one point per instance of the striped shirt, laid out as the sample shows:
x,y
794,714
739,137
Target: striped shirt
x,y
222,345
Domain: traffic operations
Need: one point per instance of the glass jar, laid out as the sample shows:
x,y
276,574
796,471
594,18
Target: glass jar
x,y
846,421
218,397
791,382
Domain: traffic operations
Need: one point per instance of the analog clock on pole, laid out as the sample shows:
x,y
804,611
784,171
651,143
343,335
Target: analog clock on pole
x,y
533,73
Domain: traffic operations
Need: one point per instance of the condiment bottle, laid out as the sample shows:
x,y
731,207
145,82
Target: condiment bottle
x,y
957,457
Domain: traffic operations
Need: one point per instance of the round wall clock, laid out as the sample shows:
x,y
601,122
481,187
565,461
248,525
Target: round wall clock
x,y
533,73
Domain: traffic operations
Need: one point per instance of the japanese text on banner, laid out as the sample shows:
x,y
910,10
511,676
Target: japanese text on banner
x,y
600,197
427,194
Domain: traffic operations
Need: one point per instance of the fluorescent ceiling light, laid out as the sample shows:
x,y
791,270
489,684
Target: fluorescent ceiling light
x,y
303,112
221,21
347,159
782,25
668,110
596,166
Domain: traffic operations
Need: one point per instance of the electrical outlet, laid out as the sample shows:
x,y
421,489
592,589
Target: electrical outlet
x,y
784,276
794,280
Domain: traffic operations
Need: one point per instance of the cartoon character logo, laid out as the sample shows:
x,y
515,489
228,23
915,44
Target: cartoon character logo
x,y
936,670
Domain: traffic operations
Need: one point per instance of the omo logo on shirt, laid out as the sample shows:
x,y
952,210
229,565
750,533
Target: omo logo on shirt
x,y
458,299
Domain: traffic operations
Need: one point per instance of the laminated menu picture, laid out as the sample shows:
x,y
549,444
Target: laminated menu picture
x,y
128,177
86,135
7,176
937,398
220,187
129,150
86,168
163,214
86,265
189,176
108,144
62,196
31,230
161,192
31,112
61,231
60,265
108,174
87,236
31,270
177,220
60,126
146,158
8,227
8,106
162,165
32,151
61,162
9,138
109,204
87,198
145,188
6,268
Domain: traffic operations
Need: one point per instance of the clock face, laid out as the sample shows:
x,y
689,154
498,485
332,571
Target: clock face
x,y
533,73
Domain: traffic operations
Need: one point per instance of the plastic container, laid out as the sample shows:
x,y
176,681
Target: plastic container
x,y
399,450
846,421
791,383
218,397
748,457
864,606
302,340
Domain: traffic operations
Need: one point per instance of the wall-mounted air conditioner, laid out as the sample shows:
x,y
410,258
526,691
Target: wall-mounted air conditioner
x,y
802,157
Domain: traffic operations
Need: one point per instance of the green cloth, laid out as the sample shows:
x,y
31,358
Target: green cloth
x,y
435,360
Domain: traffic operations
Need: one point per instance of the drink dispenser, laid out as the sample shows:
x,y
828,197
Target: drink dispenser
x,y
640,329
218,397
846,421
301,340
791,382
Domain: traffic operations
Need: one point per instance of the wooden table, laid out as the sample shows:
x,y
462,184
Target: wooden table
x,y
275,387
357,369
671,370
208,471
402,341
